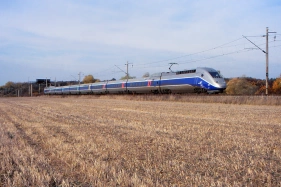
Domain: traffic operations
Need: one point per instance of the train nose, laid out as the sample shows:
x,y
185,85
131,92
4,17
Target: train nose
x,y
221,83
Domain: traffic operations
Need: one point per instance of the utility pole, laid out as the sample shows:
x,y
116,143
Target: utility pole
x,y
28,87
266,68
127,71
127,64
31,90
266,74
266,56
79,77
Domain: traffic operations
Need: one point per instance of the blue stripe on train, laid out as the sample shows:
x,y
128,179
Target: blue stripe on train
x,y
193,81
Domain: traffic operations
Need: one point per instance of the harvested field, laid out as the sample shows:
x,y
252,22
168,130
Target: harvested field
x,y
100,141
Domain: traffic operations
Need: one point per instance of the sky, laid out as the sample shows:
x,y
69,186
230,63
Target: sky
x,y
60,39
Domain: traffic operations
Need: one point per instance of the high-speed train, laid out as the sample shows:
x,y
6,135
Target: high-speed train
x,y
199,80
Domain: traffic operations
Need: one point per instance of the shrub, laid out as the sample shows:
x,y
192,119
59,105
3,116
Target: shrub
x,y
240,86
276,87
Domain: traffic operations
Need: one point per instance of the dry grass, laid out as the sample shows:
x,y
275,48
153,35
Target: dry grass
x,y
100,141
203,98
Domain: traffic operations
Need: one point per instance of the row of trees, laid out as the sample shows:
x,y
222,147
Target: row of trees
x,y
20,89
251,86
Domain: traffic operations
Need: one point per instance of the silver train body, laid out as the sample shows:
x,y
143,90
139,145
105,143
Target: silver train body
x,y
187,81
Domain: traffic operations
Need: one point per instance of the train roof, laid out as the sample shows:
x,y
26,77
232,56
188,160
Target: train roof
x,y
182,72
207,69
173,73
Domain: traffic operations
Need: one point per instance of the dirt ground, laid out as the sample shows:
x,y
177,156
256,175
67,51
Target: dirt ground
x,y
95,141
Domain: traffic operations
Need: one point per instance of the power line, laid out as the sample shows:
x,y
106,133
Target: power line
x,y
216,56
225,54
256,36
233,52
223,46
192,53
275,46
254,44
102,71
208,58
218,47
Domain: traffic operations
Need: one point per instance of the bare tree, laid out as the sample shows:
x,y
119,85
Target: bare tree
x,y
146,75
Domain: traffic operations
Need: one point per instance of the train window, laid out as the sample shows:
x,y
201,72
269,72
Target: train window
x,y
186,71
215,74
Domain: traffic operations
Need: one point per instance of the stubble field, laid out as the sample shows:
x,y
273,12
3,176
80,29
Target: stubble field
x,y
96,141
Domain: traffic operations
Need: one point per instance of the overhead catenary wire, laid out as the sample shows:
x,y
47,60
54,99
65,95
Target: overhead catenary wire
x,y
256,36
234,52
192,53
207,58
228,53
211,57
102,71
224,46
202,59
254,44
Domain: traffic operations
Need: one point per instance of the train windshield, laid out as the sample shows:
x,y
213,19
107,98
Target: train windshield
x,y
215,74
